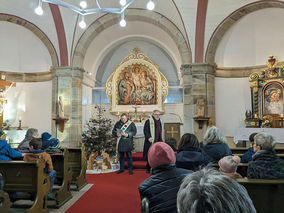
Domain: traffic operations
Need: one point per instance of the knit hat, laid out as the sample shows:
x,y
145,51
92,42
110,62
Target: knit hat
x,y
160,153
229,164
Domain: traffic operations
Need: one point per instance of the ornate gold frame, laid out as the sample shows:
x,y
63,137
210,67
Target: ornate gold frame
x,y
112,84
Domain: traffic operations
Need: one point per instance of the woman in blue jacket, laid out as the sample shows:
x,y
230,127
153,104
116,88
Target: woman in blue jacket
x,y
216,146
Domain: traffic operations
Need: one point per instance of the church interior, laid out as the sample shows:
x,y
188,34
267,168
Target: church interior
x,y
200,63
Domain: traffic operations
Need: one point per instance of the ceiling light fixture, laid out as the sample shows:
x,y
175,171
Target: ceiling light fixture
x,y
81,9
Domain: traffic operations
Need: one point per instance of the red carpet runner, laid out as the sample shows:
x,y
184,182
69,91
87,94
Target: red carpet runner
x,y
111,193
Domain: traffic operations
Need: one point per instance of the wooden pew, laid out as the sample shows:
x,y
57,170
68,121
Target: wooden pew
x,y
78,164
243,150
267,195
145,205
63,177
4,202
21,176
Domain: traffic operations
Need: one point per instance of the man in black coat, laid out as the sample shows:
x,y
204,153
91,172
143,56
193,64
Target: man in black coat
x,y
125,129
153,133
162,187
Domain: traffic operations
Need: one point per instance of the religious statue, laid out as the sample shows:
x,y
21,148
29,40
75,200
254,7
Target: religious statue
x,y
126,90
200,107
146,92
60,107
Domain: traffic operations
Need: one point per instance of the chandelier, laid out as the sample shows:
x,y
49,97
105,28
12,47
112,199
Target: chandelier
x,y
82,9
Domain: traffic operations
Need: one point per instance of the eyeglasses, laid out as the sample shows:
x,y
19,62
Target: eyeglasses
x,y
157,114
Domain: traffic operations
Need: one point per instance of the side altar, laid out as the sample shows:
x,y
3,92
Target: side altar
x,y
267,89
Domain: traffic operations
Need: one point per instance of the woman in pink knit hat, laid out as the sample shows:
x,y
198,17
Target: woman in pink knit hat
x,y
228,165
162,187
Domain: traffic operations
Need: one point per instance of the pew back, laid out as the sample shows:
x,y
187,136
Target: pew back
x,y
267,195
21,176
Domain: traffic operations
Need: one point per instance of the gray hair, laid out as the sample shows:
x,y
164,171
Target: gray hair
x,y
156,111
265,141
214,135
207,190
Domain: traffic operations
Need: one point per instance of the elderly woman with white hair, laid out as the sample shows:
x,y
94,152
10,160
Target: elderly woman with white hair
x,y
265,163
208,190
215,144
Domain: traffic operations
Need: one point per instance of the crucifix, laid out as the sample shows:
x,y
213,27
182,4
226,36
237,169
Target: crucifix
x,y
172,132
3,84
135,112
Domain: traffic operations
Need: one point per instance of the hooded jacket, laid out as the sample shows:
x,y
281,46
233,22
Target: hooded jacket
x,y
6,152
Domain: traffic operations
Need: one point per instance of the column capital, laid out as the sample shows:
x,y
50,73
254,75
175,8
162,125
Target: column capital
x,y
198,68
68,72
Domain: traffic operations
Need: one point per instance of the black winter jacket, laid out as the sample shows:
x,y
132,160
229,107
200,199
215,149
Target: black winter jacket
x,y
266,165
162,187
125,143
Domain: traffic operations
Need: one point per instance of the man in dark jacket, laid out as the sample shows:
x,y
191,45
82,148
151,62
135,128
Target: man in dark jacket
x,y
153,133
162,187
247,157
125,129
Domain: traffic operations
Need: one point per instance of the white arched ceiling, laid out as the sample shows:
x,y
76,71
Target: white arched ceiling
x,y
113,36
21,50
252,39
155,54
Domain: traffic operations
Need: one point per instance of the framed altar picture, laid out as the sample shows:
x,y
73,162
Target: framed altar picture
x,y
272,98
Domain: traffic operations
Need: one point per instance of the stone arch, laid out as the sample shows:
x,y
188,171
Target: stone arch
x,y
132,15
39,33
230,20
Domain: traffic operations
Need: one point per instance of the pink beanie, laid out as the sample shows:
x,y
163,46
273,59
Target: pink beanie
x,y
161,153
229,164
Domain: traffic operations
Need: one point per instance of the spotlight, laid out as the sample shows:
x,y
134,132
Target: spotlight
x,y
122,22
122,2
150,5
82,23
39,11
83,4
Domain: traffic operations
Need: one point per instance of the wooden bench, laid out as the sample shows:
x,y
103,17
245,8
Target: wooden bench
x,y
78,164
21,176
4,202
63,177
267,195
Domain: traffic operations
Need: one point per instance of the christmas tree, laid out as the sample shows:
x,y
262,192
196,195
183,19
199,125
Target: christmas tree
x,y
98,135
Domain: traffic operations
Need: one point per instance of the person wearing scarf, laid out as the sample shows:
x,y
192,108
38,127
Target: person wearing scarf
x,y
153,133
124,130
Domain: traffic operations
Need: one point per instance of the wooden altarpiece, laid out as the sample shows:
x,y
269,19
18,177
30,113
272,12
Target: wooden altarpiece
x,y
136,87
267,89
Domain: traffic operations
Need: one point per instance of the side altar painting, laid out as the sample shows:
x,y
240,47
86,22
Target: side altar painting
x,y
267,97
136,85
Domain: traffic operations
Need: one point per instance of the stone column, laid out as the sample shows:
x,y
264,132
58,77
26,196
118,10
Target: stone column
x,y
198,82
67,83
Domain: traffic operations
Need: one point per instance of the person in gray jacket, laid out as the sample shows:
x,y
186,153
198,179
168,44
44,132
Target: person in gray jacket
x,y
124,129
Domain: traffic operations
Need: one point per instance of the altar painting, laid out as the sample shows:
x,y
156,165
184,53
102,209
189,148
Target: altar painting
x,y
137,86
273,99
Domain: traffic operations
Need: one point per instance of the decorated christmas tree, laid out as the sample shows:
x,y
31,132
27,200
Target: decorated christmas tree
x,y
98,134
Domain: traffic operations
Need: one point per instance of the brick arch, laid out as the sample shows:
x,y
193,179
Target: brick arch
x,y
230,20
109,20
38,33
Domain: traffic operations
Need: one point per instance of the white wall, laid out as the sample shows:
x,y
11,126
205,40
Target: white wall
x,y
232,99
31,102
21,50
252,39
